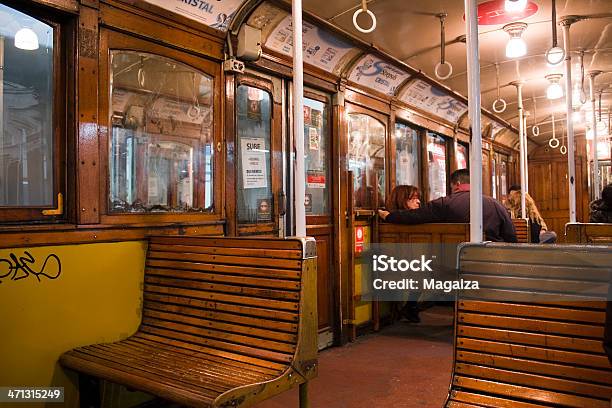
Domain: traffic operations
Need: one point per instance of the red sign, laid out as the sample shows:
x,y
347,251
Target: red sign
x,y
358,239
493,13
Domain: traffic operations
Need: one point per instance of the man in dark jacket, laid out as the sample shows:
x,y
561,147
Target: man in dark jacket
x,y
456,208
601,210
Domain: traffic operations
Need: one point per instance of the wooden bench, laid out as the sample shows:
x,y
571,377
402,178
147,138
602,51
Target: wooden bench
x,y
226,322
523,232
582,233
531,337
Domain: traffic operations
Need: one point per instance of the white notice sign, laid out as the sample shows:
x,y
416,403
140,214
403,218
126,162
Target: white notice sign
x,y
214,13
253,162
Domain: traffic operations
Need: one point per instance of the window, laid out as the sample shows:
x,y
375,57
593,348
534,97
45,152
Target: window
x,y
406,155
161,145
366,159
253,144
31,179
316,145
462,156
436,157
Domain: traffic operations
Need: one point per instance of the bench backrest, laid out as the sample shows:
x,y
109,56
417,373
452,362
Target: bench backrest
x,y
424,233
582,233
252,300
521,227
532,335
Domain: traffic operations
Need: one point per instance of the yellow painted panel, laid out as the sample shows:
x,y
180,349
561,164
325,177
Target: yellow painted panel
x,y
363,313
97,297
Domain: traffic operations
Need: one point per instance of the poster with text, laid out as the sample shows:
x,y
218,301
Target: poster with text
x,y
374,73
214,13
253,163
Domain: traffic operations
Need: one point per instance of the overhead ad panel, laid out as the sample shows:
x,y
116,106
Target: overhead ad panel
x,y
434,100
321,48
217,14
375,73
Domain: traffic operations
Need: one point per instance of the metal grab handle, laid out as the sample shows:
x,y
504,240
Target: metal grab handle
x,y
497,109
443,62
364,9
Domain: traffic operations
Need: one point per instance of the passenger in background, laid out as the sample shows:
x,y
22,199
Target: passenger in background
x,y
497,224
407,197
539,230
601,210
404,197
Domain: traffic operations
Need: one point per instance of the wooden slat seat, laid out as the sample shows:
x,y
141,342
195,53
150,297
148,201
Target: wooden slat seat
x,y
588,233
521,227
532,335
226,322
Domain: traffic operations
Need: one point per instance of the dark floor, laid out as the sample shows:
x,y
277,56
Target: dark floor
x,y
403,366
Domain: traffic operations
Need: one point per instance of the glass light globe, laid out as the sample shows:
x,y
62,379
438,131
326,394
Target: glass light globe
x,y
602,127
515,6
516,47
554,91
555,56
26,39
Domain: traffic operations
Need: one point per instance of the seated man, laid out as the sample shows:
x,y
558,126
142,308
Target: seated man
x,y
497,225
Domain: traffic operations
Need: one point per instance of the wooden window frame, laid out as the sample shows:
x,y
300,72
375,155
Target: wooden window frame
x,y
448,144
63,98
113,40
322,97
266,85
393,151
352,108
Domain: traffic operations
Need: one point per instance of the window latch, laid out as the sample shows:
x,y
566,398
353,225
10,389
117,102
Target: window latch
x,y
60,207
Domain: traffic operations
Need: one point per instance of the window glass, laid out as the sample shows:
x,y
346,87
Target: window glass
x,y
366,159
316,142
436,156
160,156
254,179
26,111
406,155
462,156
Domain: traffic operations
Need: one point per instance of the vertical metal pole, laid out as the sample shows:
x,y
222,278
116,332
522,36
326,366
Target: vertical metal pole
x,y
473,68
526,160
571,166
298,119
522,144
596,183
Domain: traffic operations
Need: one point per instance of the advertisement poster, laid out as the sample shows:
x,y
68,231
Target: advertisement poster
x,y
314,139
307,119
308,202
433,100
321,49
315,179
374,73
214,13
264,210
253,162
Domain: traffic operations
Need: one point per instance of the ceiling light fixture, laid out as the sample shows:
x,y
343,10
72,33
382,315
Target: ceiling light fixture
x,y
554,90
516,46
515,6
555,55
26,39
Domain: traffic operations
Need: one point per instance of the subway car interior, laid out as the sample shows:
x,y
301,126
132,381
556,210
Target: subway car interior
x,y
194,212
